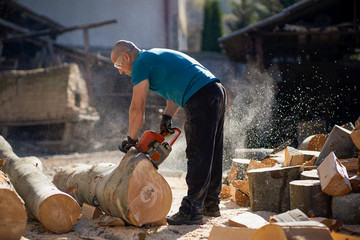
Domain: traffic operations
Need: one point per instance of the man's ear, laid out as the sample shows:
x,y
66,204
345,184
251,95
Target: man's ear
x,y
127,56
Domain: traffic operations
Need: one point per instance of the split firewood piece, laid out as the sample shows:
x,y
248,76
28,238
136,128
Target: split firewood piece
x,y
351,164
332,224
233,174
110,221
225,192
295,215
132,190
247,220
239,197
90,212
355,134
309,175
56,210
313,142
295,157
309,230
306,195
333,176
355,183
242,185
346,208
12,211
339,141
269,188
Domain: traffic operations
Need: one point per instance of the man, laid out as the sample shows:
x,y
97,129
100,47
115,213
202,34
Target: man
x,y
185,83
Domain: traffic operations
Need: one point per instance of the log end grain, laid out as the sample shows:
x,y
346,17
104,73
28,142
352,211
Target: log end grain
x,y
12,215
149,195
59,212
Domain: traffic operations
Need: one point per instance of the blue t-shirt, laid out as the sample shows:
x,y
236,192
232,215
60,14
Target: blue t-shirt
x,y
171,74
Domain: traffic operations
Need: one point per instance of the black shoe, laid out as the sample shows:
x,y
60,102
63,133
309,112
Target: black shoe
x,y
211,208
212,211
181,218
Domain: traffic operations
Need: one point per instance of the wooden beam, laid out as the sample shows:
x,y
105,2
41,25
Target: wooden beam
x,y
58,31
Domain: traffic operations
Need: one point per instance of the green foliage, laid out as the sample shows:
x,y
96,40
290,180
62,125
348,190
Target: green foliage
x,y
249,12
212,28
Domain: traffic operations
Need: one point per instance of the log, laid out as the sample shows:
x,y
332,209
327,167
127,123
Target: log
x,y
333,176
56,210
269,188
12,211
346,208
313,142
307,196
132,190
339,141
309,230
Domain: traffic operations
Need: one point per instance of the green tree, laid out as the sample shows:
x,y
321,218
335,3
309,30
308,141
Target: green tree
x,y
249,12
246,13
212,28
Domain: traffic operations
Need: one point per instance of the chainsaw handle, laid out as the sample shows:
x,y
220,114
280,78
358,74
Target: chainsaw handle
x,y
177,135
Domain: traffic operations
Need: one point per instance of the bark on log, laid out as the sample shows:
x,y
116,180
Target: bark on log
x,y
56,210
307,196
12,211
133,191
269,188
346,208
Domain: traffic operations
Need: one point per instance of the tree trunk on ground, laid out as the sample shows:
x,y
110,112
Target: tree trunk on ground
x,y
56,210
12,211
133,190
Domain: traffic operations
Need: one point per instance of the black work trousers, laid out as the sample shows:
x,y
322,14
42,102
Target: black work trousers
x,y
204,127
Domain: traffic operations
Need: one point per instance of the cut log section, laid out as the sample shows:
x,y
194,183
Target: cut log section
x,y
307,196
12,211
333,176
133,191
269,188
313,142
309,230
346,208
56,210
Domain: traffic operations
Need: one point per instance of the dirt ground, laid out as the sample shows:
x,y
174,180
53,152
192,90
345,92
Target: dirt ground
x,y
89,229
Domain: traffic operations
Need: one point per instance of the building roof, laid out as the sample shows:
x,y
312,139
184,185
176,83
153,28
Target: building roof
x,y
326,26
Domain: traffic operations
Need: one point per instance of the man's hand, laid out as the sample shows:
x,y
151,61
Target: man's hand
x,y
165,124
127,144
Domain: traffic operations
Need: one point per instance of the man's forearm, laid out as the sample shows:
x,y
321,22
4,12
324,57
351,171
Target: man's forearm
x,y
136,120
171,108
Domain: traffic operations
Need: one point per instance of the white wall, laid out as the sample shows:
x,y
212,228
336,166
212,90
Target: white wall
x,y
140,21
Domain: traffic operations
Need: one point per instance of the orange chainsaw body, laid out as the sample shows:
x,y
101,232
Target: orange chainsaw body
x,y
153,144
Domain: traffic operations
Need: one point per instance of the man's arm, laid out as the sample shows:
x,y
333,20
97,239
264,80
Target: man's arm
x,y
137,108
171,108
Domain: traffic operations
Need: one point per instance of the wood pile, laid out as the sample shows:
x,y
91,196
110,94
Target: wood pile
x,y
320,178
132,193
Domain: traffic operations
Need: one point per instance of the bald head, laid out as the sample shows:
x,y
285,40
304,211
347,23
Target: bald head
x,y
123,46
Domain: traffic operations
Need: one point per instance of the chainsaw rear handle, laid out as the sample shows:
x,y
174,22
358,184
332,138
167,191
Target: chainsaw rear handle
x,y
173,130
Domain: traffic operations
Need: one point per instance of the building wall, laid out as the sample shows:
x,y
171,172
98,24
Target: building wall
x,y
146,23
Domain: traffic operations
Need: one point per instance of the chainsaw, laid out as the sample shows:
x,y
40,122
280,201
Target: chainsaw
x,y
153,144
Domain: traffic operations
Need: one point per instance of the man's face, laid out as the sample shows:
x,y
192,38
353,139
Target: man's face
x,y
122,62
